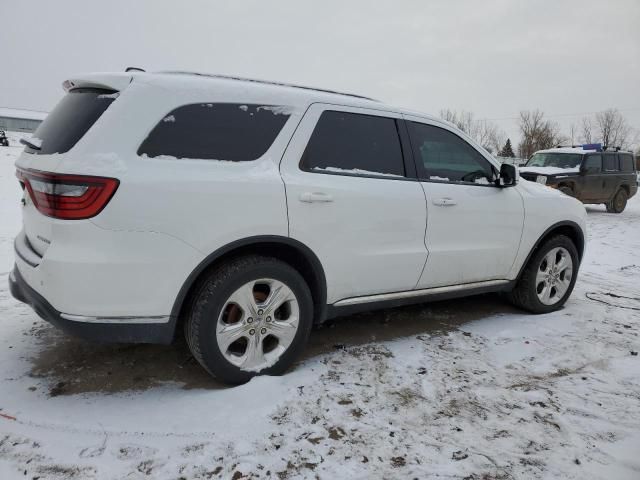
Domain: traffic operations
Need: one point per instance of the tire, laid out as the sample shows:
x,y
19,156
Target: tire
x,y
269,334
619,202
527,294
567,191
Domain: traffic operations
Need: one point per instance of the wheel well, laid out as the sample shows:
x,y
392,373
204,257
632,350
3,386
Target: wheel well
x,y
570,230
570,185
289,251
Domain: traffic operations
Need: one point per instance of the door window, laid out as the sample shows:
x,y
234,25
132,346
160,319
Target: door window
x,y
443,156
593,164
354,144
610,162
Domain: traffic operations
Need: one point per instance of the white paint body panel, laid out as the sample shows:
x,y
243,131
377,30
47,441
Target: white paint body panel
x,y
377,235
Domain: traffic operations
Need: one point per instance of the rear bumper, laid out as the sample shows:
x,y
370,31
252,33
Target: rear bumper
x,y
97,329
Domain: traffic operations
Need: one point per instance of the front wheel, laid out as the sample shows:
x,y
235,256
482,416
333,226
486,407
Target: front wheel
x,y
251,316
619,202
567,191
549,276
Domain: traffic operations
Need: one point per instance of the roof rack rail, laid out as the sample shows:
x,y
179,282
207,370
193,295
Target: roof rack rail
x,y
267,82
134,69
608,148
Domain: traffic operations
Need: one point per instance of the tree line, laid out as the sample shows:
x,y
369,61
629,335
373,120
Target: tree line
x,y
608,127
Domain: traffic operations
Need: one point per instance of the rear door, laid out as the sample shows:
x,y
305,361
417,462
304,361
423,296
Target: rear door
x,y
473,227
611,175
353,202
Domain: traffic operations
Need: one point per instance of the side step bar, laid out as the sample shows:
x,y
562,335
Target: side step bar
x,y
425,292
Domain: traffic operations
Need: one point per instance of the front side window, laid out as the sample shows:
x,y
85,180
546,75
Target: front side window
x,y
444,156
610,162
353,143
216,131
593,163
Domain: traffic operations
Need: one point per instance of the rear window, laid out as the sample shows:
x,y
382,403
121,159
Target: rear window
x,y
216,131
353,143
72,117
626,162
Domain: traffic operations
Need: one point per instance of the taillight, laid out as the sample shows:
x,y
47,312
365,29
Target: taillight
x,y
68,197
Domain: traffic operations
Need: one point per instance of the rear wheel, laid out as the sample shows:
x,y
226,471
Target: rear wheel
x,y
619,202
548,278
251,316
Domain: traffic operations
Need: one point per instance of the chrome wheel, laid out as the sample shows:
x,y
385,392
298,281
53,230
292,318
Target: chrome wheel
x,y
257,324
554,276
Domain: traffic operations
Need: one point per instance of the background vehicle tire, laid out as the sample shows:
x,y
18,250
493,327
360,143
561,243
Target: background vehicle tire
x,y
619,202
252,315
548,278
567,191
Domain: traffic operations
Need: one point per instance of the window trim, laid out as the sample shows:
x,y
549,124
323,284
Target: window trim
x,y
409,172
420,170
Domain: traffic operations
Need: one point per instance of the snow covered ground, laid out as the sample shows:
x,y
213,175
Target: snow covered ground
x,y
463,389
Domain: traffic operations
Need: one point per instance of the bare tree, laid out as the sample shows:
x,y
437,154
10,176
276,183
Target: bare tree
x,y
537,133
587,130
613,128
482,131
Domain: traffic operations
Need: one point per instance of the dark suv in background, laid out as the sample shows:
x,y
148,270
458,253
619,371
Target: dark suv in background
x,y
590,173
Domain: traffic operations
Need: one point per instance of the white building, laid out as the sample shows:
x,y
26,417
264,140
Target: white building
x,y
18,120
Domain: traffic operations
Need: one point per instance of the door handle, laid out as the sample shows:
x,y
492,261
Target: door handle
x,y
444,202
315,197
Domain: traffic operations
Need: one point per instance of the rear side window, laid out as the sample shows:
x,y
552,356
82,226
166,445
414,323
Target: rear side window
x,y
443,156
354,143
610,162
72,117
626,162
216,131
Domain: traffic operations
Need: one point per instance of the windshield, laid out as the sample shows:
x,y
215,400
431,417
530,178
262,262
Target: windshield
x,y
558,160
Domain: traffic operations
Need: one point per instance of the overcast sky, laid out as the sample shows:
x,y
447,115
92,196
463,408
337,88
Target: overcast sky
x,y
491,57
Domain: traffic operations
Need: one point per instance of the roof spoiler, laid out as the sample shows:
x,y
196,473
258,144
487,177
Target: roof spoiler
x,y
112,81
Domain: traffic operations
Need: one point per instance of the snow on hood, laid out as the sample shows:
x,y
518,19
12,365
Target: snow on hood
x,y
549,170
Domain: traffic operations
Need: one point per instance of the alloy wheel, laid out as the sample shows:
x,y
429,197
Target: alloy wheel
x,y
257,324
554,276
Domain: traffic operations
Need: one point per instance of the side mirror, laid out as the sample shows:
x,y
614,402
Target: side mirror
x,y
508,176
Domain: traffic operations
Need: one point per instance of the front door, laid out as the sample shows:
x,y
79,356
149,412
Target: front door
x,y
473,227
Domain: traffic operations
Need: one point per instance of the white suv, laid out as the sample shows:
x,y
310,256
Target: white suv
x,y
246,211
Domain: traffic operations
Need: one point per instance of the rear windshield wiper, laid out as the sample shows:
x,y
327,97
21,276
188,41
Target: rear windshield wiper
x,y
34,143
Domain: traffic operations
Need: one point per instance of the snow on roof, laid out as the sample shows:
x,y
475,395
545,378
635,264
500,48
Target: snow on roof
x,y
566,150
22,114
267,82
